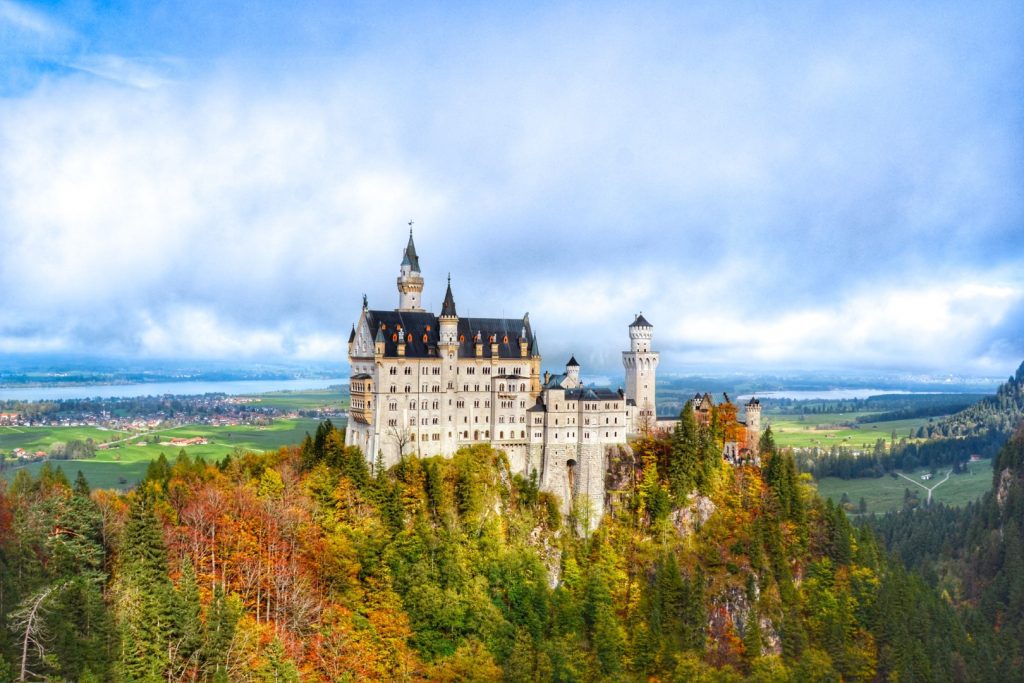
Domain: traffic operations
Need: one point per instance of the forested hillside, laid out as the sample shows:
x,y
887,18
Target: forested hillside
x,y
302,565
975,555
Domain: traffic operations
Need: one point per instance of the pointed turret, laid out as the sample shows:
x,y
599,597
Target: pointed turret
x,y
410,282
409,258
448,306
449,319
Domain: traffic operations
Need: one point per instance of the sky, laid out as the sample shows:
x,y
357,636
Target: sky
x,y
776,186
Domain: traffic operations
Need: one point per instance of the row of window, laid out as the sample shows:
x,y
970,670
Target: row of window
x,y
425,370
487,433
436,388
436,370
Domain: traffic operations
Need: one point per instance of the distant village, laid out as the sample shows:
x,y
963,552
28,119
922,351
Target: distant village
x,y
136,421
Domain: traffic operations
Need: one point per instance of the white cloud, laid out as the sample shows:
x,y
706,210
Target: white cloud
x,y
15,17
762,205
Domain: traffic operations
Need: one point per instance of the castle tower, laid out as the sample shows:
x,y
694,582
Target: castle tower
x,y
449,319
410,282
572,372
641,364
753,421
448,349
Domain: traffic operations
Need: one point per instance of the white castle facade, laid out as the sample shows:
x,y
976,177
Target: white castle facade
x,y
430,384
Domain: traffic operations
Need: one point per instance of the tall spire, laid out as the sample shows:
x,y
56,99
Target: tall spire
x,y
448,307
409,257
410,281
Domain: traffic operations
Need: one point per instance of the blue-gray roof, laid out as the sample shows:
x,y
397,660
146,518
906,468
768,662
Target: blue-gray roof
x,y
419,330
409,257
640,321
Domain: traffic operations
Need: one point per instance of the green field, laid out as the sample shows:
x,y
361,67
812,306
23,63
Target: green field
x,y
334,397
837,429
40,438
883,494
124,466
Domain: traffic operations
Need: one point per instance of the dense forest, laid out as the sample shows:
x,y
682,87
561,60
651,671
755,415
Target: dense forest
x,y
301,564
974,555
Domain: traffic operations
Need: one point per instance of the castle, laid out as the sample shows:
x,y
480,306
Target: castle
x,y
430,384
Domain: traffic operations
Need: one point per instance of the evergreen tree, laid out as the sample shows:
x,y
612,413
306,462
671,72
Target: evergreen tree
x,y
188,623
683,460
144,595
81,487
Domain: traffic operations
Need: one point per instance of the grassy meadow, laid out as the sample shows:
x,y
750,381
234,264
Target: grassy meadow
x,y
884,494
881,494
333,398
40,438
837,429
125,465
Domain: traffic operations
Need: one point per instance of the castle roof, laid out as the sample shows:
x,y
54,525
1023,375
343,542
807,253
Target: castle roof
x,y
555,381
753,401
592,394
352,335
448,307
572,363
409,257
640,321
422,327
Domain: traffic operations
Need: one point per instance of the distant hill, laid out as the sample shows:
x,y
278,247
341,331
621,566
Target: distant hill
x,y
1000,413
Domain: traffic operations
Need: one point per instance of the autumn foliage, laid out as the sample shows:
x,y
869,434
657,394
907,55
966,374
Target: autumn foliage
x,y
301,564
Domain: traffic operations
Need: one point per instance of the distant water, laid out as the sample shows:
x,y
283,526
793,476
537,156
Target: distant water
x,y
836,394
232,388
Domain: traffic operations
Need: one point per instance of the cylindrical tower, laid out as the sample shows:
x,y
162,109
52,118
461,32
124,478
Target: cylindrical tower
x,y
641,365
753,420
572,372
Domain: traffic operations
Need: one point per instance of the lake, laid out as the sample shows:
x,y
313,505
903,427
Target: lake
x,y
232,388
835,394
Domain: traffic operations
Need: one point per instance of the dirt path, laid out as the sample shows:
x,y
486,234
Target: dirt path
x,y
929,490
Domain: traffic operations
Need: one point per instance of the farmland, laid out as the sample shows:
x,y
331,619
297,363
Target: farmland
x,y
123,466
837,429
123,463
